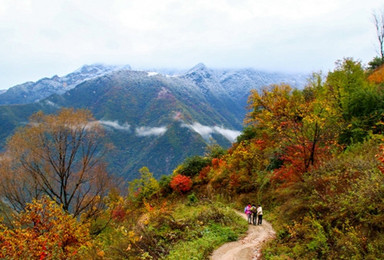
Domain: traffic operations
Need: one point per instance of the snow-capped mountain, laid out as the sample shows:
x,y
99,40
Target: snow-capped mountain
x,y
153,119
31,92
238,83
233,83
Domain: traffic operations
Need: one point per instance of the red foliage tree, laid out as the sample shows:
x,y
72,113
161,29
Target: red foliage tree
x,y
298,159
215,163
181,183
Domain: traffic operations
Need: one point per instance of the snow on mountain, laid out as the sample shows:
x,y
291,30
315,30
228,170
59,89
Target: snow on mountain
x,y
238,83
234,84
151,73
31,92
204,78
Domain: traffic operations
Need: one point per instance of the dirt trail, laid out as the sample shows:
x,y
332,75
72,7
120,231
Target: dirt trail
x,y
248,248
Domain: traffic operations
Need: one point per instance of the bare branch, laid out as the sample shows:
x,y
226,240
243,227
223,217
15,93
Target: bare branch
x,y
378,20
60,156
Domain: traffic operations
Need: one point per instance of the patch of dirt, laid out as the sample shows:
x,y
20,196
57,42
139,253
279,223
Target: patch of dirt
x,y
248,248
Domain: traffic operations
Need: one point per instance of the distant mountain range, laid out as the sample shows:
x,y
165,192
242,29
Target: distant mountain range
x,y
31,92
153,119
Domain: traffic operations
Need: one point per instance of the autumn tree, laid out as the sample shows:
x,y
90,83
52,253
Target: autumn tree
x,y
44,231
181,183
295,121
144,187
60,156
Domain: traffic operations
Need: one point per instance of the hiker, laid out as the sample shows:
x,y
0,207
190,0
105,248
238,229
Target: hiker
x,y
254,214
247,211
259,215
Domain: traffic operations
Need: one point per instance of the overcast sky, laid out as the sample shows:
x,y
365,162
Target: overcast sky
x,y
41,38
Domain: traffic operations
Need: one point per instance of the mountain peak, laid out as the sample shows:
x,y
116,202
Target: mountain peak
x,y
98,68
198,67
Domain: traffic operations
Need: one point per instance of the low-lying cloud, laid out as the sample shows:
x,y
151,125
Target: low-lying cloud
x,y
203,130
207,131
50,103
116,125
148,131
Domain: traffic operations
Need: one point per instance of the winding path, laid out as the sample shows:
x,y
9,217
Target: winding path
x,y
248,248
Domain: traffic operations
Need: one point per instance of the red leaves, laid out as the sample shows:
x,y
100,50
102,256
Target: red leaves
x,y
299,159
43,253
215,163
118,213
181,183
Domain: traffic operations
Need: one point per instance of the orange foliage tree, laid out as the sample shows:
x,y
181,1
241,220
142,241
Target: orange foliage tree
x,y
43,231
181,183
60,156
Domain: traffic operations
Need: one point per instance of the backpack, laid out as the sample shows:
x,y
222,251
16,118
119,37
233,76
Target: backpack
x,y
253,209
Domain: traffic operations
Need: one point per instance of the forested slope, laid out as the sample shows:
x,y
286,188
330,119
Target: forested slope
x,y
313,158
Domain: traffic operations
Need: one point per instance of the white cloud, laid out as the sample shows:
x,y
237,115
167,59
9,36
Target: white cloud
x,y
204,131
50,103
207,131
38,37
231,135
148,131
116,125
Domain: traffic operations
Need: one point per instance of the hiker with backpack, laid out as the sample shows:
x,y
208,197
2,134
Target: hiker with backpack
x,y
254,214
247,211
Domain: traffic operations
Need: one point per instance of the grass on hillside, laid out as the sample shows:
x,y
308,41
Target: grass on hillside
x,y
187,229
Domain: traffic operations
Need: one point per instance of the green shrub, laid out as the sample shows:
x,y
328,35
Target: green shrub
x,y
192,199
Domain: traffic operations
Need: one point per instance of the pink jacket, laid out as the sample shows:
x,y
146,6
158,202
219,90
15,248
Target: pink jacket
x,y
247,210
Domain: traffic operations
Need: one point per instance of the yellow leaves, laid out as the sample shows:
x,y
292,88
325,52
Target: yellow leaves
x,y
275,105
377,76
148,206
100,253
131,235
145,187
144,219
292,229
44,228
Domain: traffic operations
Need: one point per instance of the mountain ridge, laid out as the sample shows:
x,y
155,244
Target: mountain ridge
x,y
153,120
30,92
